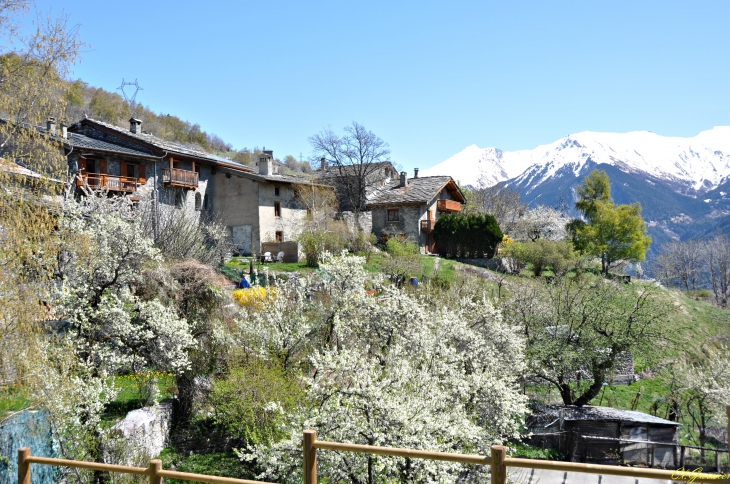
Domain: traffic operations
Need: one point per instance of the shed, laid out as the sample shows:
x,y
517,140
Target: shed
x,y
606,435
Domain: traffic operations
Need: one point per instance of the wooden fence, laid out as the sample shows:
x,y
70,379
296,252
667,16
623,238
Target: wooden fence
x,y
154,471
498,461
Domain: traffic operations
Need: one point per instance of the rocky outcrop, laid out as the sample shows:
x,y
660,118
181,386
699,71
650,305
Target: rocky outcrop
x,y
140,436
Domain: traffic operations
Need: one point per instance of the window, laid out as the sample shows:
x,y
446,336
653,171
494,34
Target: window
x,y
92,166
276,191
277,209
279,236
198,201
179,198
132,171
393,215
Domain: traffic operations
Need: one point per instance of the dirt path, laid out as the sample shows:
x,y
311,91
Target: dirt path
x,y
484,273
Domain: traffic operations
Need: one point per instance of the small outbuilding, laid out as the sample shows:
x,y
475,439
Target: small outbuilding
x,y
604,435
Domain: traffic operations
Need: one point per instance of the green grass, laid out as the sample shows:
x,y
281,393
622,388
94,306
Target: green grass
x,y
12,399
532,452
237,266
223,464
128,397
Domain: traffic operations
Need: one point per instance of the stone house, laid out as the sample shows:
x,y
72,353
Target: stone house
x,y
260,206
409,207
257,205
370,177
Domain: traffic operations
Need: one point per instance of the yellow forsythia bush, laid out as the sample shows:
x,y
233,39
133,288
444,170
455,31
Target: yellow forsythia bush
x,y
254,297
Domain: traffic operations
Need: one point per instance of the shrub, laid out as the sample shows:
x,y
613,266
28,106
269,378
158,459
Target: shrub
x,y
251,399
474,235
397,248
542,254
254,297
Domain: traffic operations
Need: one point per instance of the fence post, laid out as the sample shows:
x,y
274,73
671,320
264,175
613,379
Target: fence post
x,y
23,465
717,461
155,467
499,468
310,457
681,458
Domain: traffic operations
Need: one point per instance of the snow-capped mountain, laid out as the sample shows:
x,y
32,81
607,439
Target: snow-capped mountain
x,y
682,183
700,163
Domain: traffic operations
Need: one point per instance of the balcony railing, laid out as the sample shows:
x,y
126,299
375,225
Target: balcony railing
x,y
448,206
427,225
180,178
112,183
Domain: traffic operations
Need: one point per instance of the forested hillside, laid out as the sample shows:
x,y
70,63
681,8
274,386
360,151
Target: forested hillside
x,y
110,107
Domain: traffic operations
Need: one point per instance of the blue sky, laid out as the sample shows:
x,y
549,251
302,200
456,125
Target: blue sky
x,y
430,78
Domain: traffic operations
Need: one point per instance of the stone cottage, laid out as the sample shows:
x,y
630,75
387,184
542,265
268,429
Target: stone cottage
x,y
257,205
260,206
409,207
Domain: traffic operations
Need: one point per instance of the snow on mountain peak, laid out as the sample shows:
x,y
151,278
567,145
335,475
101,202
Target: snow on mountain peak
x,y
701,162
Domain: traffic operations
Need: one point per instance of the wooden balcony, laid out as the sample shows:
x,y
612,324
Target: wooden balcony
x,y
427,225
448,206
112,183
179,178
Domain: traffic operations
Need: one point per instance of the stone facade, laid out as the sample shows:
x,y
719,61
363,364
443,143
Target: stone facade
x,y
416,202
248,208
255,205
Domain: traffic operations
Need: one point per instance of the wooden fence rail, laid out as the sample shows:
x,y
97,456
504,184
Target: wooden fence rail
x,y
498,462
154,470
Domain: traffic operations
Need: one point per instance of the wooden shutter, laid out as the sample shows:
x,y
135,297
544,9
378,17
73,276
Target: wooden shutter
x,y
142,179
82,171
102,166
123,169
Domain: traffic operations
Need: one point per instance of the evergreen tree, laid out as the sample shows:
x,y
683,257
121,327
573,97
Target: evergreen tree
x,y
609,231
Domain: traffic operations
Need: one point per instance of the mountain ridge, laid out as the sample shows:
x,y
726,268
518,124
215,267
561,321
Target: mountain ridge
x,y
698,163
682,183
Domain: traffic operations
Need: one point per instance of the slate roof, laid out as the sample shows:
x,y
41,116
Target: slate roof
x,y
352,170
80,141
589,412
419,190
168,146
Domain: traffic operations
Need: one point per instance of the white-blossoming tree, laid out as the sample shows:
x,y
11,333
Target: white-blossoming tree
x,y
98,326
386,370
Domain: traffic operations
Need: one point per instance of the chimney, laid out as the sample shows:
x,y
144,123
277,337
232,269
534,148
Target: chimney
x,y
266,163
323,163
415,173
135,126
51,125
403,179
64,131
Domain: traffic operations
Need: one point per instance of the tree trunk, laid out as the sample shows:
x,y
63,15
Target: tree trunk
x,y
565,393
591,393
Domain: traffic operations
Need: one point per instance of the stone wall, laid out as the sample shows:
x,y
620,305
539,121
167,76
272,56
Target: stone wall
x,y
408,223
235,204
291,215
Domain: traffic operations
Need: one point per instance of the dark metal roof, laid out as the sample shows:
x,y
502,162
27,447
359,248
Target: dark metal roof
x,y
589,412
168,146
418,190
